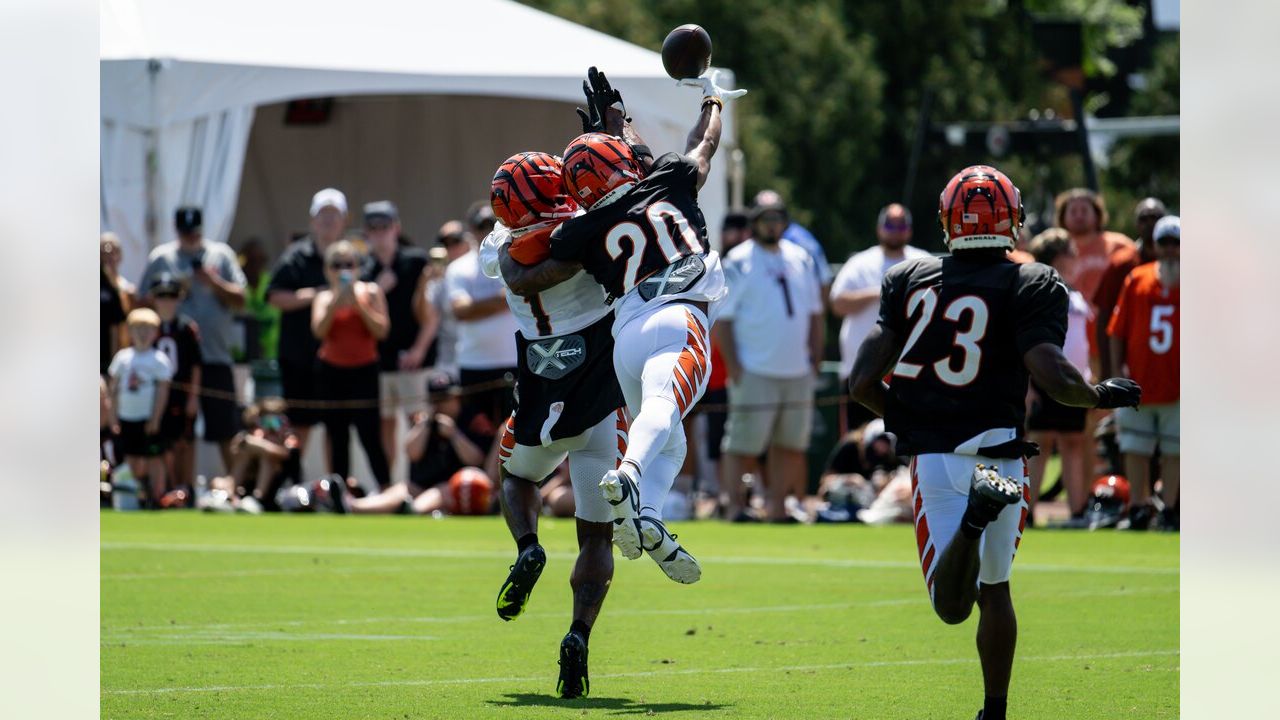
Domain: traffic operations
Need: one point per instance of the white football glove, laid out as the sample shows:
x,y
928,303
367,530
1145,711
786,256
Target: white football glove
x,y
710,89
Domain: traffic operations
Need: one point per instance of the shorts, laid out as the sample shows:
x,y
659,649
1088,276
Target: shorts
x,y
766,412
135,442
1049,415
566,384
175,425
402,391
1139,430
939,496
591,454
299,382
218,406
664,352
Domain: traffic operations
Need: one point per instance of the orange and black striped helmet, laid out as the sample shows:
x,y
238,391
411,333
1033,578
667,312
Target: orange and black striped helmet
x,y
596,164
527,190
980,208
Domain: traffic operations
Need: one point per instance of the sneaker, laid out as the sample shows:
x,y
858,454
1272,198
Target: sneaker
x,y
573,682
515,592
1140,517
661,545
623,495
989,494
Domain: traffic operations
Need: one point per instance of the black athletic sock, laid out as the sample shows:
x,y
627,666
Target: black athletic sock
x,y
145,501
993,708
582,629
526,540
971,526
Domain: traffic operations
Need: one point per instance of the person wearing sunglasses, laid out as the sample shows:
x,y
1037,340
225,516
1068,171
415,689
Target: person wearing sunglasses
x,y
855,294
1146,338
349,317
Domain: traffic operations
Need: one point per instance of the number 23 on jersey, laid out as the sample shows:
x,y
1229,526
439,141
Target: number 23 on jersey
x,y
969,313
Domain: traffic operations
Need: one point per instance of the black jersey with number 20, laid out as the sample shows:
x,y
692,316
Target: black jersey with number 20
x,y
966,323
651,226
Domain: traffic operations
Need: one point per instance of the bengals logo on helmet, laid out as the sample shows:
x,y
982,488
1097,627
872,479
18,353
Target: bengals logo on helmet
x,y
596,164
980,208
527,189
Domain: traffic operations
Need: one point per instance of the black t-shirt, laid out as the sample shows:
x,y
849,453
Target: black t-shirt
x,y
658,219
439,461
407,265
966,322
300,266
179,340
110,314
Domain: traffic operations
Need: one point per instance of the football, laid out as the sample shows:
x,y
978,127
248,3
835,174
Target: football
x,y
686,53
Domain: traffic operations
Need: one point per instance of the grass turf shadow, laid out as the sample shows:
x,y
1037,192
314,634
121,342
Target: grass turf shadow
x,y
619,706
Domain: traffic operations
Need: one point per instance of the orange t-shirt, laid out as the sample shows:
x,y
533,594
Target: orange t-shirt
x,y
1093,256
1146,321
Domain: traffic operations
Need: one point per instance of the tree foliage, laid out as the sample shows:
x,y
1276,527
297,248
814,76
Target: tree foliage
x,y
837,85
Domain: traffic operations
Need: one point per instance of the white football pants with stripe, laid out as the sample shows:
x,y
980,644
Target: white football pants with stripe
x,y
663,360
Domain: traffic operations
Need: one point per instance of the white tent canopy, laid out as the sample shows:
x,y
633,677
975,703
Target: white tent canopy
x,y
181,81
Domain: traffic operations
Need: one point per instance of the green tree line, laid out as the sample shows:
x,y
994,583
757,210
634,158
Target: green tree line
x,y
836,89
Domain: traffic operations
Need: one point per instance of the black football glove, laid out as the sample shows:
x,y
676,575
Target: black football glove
x,y
600,97
1118,392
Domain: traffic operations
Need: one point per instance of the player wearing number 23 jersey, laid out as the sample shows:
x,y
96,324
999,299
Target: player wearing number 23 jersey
x,y
958,338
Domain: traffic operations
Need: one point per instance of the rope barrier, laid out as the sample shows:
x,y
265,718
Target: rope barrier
x,y
374,403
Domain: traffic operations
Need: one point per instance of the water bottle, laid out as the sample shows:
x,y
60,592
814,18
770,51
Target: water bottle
x,y
124,493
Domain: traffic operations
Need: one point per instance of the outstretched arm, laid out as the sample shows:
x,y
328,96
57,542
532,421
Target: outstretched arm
x,y
1051,370
876,357
526,280
704,138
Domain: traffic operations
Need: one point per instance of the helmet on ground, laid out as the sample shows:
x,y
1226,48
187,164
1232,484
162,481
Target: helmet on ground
x,y
980,208
527,195
469,492
595,165
1108,502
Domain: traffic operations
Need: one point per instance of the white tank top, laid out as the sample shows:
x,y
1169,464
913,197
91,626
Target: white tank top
x,y
565,308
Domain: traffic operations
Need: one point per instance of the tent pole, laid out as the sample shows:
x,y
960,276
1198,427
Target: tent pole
x,y
150,221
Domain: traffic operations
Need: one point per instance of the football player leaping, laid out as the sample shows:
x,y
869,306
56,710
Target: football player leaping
x,y
568,402
960,335
644,239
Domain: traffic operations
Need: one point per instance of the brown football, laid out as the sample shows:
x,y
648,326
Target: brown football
x,y
686,53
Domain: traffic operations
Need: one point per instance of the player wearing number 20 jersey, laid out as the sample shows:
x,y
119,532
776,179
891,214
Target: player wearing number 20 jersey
x,y
644,239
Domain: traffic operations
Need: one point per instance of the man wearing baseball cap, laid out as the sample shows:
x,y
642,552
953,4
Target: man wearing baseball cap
x,y
215,292
402,355
1146,337
297,277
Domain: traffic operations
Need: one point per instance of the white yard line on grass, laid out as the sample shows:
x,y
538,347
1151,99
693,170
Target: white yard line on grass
x,y
648,673
476,554
122,634
233,638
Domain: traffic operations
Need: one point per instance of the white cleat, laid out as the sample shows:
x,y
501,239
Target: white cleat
x,y
623,495
661,545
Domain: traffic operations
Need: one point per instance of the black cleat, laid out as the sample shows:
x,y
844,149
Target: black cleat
x,y
989,494
514,594
573,682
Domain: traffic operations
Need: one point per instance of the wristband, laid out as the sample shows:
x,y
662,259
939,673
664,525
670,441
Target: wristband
x,y
712,99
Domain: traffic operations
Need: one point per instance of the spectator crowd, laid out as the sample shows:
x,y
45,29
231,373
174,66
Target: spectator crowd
x,y
368,332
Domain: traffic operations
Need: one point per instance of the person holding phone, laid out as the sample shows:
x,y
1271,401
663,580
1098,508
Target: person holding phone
x,y
349,317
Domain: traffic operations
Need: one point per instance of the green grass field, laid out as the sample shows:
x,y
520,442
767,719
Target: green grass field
x,y
393,617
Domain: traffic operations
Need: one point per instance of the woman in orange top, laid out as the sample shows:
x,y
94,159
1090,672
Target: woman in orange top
x,y
350,317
